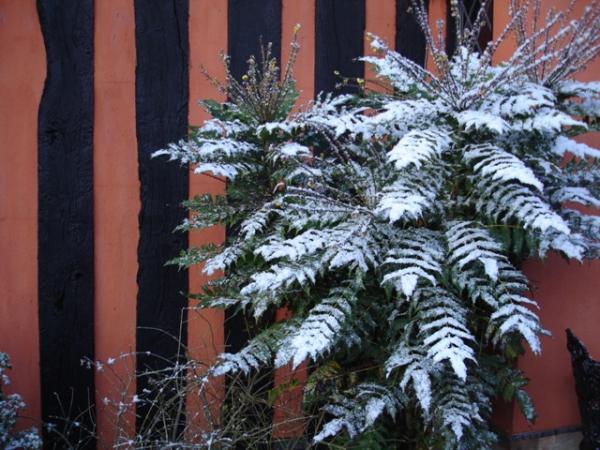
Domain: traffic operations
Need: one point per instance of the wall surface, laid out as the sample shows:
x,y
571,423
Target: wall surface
x,y
21,82
144,94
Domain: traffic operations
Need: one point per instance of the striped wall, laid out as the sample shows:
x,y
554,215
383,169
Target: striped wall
x,y
86,217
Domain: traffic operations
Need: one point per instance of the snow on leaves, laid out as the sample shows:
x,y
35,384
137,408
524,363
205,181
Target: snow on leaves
x,y
418,256
320,330
419,146
493,162
468,243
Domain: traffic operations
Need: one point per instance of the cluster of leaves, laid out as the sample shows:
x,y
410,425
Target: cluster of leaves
x,y
391,225
9,408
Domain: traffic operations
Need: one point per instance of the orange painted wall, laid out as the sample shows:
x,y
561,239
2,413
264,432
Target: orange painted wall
x,y
116,208
208,39
22,74
568,294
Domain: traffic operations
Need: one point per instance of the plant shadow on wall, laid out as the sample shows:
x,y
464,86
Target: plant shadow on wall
x,y
391,225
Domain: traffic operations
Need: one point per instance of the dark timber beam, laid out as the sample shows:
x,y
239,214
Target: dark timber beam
x,y
410,40
339,40
65,215
161,98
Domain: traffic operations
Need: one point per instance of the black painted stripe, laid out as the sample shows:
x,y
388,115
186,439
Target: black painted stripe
x,y
450,30
65,214
161,97
339,40
468,10
410,39
249,22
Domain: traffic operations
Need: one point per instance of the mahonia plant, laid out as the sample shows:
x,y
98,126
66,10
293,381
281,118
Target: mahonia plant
x,y
391,224
9,407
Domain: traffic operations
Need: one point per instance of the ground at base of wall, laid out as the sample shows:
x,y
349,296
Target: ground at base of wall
x,y
563,441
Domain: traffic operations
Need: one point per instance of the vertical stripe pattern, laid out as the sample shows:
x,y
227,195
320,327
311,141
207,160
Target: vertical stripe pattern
x,y
339,35
65,217
161,97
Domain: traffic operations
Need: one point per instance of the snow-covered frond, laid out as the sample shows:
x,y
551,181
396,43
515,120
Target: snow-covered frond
x,y
419,146
468,242
291,150
572,245
579,88
547,120
306,243
512,314
481,120
281,276
455,409
223,302
199,150
224,259
345,244
226,170
581,173
443,329
359,252
258,220
587,98
579,195
412,195
490,161
505,201
563,144
257,353
321,330
525,101
588,227
326,112
416,256
416,372
396,117
475,285
312,213
403,73
357,413
224,128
